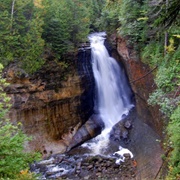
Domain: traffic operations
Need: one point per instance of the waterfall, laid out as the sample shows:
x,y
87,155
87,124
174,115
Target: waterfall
x,y
113,94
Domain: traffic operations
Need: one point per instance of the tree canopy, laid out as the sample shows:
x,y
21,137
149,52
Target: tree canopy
x,y
20,34
66,24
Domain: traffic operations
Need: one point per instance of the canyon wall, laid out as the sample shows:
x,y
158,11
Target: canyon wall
x,y
142,82
51,105
148,122
54,103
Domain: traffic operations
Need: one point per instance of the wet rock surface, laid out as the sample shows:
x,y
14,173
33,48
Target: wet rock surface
x,y
142,141
90,129
120,132
142,83
85,167
81,163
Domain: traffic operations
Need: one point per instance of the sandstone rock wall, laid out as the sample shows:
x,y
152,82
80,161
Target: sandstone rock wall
x,y
142,82
48,104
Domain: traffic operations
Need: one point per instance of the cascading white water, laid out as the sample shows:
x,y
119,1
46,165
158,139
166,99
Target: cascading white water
x,y
113,93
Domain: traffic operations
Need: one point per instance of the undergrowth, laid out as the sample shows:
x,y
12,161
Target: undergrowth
x,y
167,78
14,161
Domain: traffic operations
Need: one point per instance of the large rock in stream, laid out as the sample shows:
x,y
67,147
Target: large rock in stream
x,y
90,129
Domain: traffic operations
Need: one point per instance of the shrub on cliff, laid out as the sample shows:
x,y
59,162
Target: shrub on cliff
x,y
13,159
174,132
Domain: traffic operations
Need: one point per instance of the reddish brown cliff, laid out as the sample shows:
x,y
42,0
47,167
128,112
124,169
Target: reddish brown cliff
x,y
148,123
48,104
142,82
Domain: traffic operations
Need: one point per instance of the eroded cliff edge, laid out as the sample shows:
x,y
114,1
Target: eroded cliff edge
x,y
142,83
51,104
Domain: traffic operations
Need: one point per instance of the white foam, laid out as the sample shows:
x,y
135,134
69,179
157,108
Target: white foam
x,y
99,143
113,93
120,154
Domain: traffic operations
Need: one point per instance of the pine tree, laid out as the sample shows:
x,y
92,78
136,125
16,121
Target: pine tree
x,y
66,24
20,35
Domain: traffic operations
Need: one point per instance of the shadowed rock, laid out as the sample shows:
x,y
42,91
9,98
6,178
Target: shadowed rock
x,y
90,129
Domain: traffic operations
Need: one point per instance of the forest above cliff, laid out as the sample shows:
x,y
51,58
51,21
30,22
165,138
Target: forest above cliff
x,y
31,31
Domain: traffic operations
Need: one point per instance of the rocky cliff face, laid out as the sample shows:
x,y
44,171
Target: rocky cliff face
x,y
48,104
142,83
147,123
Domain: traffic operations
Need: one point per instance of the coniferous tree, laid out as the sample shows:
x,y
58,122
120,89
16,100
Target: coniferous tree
x,y
20,34
66,24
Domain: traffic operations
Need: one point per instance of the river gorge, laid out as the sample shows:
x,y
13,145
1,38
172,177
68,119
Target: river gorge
x,y
61,111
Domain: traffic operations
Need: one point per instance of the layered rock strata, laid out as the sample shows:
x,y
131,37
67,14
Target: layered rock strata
x,y
50,104
142,83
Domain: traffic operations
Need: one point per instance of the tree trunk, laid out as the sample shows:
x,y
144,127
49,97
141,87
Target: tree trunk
x,y
12,12
166,33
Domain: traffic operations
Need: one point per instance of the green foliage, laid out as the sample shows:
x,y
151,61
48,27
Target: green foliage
x,y
66,24
146,21
108,16
167,80
20,34
13,159
152,53
174,133
167,75
133,19
4,100
96,17
166,104
166,13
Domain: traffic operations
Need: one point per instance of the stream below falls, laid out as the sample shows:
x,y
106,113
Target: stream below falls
x,y
126,148
81,163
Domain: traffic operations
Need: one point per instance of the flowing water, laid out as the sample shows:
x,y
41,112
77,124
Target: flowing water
x,y
113,94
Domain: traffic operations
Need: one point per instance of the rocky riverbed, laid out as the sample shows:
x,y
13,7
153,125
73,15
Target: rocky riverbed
x,y
85,167
82,163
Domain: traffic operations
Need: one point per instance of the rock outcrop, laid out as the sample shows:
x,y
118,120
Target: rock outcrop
x,y
142,82
80,167
147,123
49,104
